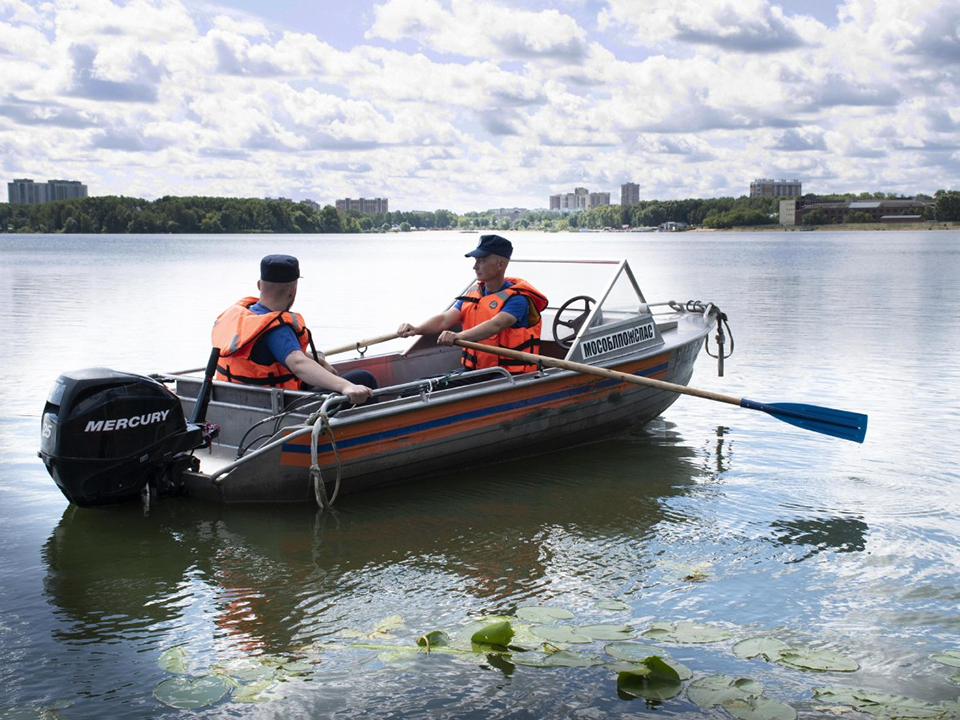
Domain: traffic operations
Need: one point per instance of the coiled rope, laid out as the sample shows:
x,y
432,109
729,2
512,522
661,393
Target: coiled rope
x,y
321,423
696,306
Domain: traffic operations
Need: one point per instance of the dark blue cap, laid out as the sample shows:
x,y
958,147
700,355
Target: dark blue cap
x,y
279,268
492,245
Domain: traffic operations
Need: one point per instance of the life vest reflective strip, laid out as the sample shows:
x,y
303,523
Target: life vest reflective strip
x,y
476,308
237,331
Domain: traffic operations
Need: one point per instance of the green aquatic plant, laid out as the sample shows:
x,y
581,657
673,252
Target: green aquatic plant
x,y
777,651
566,634
883,705
245,679
767,648
173,660
558,658
434,639
543,614
192,693
741,697
607,632
685,632
633,652
612,605
652,679
947,657
498,635
819,660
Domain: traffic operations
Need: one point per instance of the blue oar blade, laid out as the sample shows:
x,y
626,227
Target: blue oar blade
x,y
838,423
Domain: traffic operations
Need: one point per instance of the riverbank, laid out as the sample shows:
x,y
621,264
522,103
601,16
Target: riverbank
x,y
855,227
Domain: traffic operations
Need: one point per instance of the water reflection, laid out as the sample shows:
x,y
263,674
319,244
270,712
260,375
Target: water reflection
x,y
265,579
815,535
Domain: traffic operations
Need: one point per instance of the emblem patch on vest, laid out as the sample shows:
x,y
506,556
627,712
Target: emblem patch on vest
x,y
493,304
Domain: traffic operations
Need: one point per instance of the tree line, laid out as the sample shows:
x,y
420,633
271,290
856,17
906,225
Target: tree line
x,y
118,214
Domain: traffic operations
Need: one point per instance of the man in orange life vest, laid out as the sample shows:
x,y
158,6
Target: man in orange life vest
x,y
263,343
496,310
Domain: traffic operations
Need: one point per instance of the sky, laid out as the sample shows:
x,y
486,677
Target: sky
x,y
478,104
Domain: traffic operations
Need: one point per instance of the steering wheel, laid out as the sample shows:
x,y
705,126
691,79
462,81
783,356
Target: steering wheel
x,y
564,331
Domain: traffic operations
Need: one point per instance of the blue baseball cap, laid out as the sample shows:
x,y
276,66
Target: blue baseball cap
x,y
492,245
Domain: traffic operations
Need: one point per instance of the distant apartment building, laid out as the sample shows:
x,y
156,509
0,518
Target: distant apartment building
x,y
579,199
629,194
24,191
364,206
765,187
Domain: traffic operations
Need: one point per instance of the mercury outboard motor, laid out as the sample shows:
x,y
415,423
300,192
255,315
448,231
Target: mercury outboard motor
x,y
107,435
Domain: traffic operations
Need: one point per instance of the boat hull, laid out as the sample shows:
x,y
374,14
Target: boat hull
x,y
451,430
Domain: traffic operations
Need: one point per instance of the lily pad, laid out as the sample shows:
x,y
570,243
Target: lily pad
x,y
819,660
560,634
612,605
261,667
620,666
253,693
498,634
877,703
386,626
433,639
741,697
633,652
685,632
768,648
607,632
186,693
543,614
173,660
717,689
653,679
562,658
948,657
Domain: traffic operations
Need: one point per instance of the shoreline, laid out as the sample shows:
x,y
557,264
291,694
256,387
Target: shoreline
x,y
842,227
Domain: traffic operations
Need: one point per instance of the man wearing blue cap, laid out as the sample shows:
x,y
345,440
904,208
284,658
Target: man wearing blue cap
x,y
497,310
263,343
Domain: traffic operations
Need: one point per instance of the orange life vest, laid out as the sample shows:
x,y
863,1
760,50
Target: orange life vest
x,y
238,330
476,308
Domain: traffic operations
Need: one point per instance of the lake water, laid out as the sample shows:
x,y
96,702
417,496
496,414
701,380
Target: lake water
x,y
711,514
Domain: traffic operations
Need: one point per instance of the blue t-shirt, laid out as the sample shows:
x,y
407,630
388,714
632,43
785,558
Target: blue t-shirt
x,y
516,305
276,344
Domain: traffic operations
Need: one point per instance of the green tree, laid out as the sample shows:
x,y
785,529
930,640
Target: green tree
x,y
947,207
330,220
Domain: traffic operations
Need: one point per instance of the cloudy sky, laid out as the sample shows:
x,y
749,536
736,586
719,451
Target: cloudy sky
x,y
476,104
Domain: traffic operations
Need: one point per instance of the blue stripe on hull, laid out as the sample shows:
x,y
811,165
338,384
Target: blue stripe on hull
x,y
472,415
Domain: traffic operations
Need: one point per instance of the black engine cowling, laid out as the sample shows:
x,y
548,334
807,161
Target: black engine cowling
x,y
105,435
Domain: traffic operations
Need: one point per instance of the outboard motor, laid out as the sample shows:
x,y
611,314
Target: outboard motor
x,y
107,435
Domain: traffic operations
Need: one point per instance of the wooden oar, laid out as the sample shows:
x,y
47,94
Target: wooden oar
x,y
358,345
838,423
362,345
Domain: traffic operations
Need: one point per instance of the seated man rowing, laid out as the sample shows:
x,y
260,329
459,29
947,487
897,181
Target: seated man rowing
x,y
263,343
496,310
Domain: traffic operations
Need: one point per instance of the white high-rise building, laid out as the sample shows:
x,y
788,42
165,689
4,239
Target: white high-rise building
x,y
579,199
24,191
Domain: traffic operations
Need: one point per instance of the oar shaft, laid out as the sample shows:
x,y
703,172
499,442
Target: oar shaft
x,y
358,345
838,423
362,344
597,371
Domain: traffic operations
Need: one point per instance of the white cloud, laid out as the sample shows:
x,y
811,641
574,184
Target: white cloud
x,y
473,28
744,26
472,103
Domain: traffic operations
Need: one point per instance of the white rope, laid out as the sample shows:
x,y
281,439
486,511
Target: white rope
x,y
321,422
